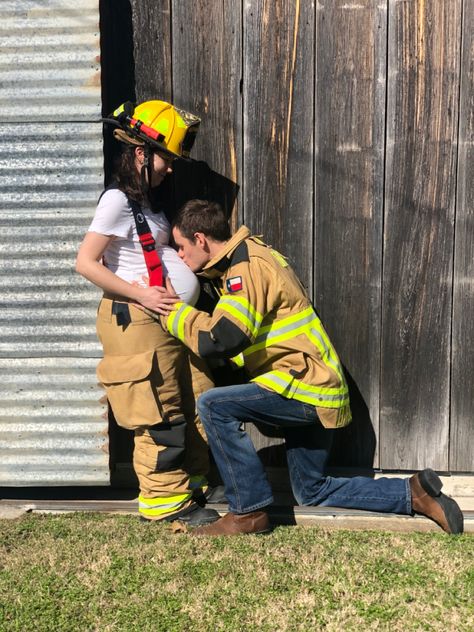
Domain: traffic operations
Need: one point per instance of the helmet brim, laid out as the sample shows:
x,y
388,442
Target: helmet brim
x,y
140,140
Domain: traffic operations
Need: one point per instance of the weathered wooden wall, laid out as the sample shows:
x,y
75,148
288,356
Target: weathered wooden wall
x,y
348,126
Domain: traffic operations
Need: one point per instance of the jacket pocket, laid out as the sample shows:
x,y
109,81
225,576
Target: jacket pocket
x,y
131,386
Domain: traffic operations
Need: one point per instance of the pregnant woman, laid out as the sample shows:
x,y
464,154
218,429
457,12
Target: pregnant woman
x,y
151,380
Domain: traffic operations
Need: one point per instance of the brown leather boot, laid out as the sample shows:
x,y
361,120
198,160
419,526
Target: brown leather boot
x,y
234,524
428,500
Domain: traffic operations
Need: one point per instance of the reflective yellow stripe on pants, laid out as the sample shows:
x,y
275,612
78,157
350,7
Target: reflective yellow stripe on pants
x,y
159,507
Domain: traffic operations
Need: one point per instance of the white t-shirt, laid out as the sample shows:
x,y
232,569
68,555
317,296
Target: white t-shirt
x,y
124,254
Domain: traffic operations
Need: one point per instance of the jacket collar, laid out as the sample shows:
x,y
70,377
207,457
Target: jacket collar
x,y
218,265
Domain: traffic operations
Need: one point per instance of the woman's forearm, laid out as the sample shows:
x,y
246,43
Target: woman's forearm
x,y
157,299
89,265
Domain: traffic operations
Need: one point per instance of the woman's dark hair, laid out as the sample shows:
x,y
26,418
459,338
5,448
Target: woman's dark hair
x,y
127,176
202,216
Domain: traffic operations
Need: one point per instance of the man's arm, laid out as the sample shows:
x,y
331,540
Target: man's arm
x,y
233,325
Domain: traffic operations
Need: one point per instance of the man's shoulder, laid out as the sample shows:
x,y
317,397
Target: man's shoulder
x,y
240,254
248,250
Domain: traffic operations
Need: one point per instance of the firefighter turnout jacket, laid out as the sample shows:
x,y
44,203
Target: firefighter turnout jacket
x,y
265,322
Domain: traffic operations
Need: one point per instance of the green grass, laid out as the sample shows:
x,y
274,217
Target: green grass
x,y
110,572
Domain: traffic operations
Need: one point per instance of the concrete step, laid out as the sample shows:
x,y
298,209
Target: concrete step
x,y
328,517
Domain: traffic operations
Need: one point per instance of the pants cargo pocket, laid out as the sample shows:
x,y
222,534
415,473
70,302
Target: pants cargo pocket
x,y
131,384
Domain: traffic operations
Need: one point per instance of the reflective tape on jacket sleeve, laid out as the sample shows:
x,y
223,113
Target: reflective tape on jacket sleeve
x,y
240,308
238,360
176,319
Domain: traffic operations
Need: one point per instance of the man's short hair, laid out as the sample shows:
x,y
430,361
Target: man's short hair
x,y
202,216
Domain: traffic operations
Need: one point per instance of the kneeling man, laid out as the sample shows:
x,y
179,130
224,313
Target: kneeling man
x,y
265,321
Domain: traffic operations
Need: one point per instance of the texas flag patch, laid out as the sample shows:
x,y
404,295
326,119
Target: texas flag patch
x,y
234,284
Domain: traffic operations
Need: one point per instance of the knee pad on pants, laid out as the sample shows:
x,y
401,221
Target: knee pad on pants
x,y
172,437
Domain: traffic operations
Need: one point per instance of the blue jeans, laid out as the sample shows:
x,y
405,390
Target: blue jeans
x,y
224,409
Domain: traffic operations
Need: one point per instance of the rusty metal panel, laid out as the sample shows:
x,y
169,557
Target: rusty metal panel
x,y
53,426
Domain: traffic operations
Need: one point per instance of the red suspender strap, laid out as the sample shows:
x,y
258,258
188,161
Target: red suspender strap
x,y
152,260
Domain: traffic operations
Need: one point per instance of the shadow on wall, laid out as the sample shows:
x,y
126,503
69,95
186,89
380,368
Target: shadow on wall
x,y
354,446
117,69
194,179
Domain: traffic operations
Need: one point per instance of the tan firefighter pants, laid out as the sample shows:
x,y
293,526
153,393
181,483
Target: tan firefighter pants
x,y
152,382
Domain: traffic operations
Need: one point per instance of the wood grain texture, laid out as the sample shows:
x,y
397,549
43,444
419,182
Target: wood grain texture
x,y
152,49
338,120
462,398
349,129
206,80
422,115
278,127
278,89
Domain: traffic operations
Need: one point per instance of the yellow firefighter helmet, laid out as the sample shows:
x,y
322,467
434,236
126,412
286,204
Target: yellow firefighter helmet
x,y
158,124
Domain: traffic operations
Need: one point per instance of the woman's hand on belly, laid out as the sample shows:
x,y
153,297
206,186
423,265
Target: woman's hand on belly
x,y
156,298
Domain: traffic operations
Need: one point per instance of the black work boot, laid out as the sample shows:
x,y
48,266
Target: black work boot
x,y
212,496
215,495
428,500
194,516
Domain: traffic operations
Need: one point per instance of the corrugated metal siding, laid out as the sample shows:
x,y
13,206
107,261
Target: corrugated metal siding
x,y
49,60
52,425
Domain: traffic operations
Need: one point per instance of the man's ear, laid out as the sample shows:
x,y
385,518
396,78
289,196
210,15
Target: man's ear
x,y
201,240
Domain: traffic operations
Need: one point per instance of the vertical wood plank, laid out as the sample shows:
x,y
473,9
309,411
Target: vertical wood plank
x,y
462,399
278,126
207,49
278,141
350,106
152,49
424,42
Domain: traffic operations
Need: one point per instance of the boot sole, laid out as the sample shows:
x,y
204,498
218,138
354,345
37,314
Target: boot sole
x,y
200,523
432,485
430,482
452,513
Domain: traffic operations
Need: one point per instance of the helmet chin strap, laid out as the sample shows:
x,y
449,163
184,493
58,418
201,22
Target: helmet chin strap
x,y
146,170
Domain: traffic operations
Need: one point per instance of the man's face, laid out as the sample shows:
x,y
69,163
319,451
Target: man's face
x,y
194,253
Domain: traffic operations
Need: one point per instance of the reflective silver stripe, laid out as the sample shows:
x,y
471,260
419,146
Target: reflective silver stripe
x,y
177,325
327,356
160,506
292,388
281,329
251,318
321,396
307,318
